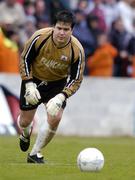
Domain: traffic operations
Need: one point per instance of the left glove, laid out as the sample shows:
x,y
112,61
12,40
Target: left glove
x,y
54,105
32,94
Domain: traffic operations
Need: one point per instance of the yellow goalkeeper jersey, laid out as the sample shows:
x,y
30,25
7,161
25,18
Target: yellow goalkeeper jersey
x,y
42,59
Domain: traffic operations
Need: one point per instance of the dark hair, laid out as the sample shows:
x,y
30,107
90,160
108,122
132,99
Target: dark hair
x,y
66,17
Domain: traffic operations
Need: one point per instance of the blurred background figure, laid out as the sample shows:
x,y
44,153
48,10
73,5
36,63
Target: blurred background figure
x,y
55,6
29,8
101,62
126,12
43,23
110,9
30,26
9,52
41,10
92,16
98,10
131,51
84,5
119,38
12,12
86,30
82,32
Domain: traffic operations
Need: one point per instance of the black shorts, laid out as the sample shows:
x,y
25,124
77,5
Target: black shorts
x,y
47,91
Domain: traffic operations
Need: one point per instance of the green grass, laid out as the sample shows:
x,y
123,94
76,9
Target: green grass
x,y
61,156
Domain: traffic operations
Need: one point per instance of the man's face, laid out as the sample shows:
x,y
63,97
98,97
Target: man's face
x,y
62,33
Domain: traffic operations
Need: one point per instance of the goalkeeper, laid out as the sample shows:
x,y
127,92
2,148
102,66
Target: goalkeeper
x,y
51,69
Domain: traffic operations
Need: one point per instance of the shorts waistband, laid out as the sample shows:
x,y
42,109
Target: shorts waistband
x,y
44,82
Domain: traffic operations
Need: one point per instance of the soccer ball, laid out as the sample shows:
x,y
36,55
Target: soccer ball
x,y
90,160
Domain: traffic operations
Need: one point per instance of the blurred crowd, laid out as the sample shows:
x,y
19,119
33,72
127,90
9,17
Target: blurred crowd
x,y
105,28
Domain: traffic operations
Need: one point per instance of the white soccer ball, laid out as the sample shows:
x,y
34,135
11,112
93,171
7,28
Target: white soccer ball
x,y
90,160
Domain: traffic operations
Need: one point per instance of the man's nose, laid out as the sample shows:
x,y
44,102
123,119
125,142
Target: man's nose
x,y
62,31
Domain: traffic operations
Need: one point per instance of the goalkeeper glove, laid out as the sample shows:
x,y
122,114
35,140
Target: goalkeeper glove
x,y
54,105
32,94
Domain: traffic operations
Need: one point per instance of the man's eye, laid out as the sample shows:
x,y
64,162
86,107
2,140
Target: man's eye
x,y
66,29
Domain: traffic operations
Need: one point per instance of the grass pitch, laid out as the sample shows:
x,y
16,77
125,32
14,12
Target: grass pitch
x,y
61,156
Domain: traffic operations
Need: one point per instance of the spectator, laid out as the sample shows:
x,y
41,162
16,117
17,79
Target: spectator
x,y
66,4
94,30
43,22
86,30
101,62
40,10
119,38
11,12
29,8
84,5
20,1
10,9
110,15
30,26
131,50
55,6
89,34
9,54
126,12
98,11
82,32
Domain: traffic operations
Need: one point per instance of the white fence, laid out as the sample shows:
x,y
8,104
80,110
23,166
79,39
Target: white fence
x,y
101,107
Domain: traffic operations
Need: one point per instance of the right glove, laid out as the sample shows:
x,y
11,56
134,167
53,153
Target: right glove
x,y
32,94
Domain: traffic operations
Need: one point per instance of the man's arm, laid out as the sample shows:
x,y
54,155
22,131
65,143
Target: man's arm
x,y
76,76
27,57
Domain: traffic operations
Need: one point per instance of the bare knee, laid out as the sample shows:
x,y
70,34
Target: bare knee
x,y
26,118
24,122
54,121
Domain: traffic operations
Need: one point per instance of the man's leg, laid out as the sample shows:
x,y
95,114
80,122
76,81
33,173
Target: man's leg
x,y
25,124
45,135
